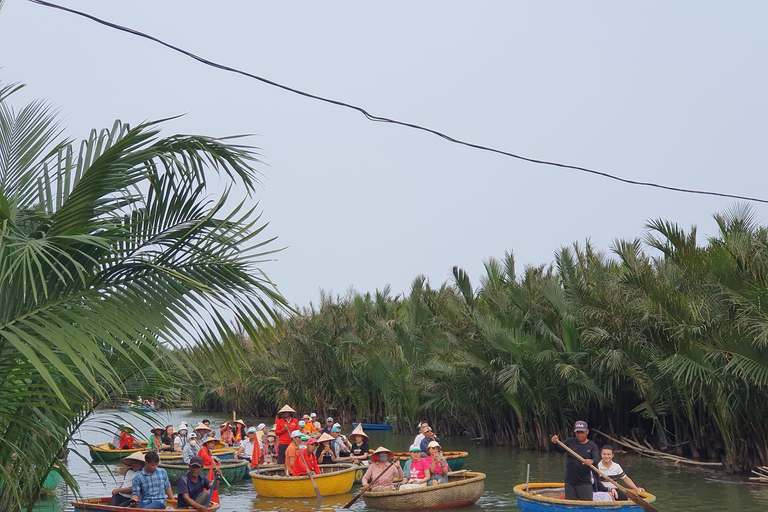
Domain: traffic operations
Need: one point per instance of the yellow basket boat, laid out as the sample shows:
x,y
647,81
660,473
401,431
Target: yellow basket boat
x,y
334,479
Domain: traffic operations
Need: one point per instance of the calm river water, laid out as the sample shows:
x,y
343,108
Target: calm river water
x,y
677,488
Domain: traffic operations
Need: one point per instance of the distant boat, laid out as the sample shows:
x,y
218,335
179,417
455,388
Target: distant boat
x,y
142,409
373,426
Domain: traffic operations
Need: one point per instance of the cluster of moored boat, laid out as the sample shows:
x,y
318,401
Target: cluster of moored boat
x,y
463,487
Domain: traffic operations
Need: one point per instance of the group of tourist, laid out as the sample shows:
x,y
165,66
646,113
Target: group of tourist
x,y
145,485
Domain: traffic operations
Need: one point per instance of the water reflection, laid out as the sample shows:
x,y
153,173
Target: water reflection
x,y
678,488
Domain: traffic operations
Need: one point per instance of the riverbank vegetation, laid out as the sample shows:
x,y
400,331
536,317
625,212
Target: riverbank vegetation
x,y
112,251
662,339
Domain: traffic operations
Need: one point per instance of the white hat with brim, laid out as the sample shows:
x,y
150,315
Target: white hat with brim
x,y
381,449
433,444
261,426
325,437
359,432
135,456
127,426
295,433
181,427
286,408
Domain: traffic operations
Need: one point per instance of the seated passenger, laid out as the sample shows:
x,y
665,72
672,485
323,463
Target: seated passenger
x,y
121,497
438,467
305,459
359,450
382,471
194,488
325,453
417,470
151,488
613,470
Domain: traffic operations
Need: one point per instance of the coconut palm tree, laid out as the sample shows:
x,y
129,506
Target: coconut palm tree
x,y
113,252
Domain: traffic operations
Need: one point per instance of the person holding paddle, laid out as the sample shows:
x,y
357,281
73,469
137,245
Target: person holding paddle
x,y
578,476
381,472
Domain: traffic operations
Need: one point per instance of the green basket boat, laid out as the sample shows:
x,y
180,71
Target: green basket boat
x,y
52,480
232,470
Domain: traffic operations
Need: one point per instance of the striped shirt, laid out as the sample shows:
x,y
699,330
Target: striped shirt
x,y
150,488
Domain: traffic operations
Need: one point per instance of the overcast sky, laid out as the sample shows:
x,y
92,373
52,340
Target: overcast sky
x,y
669,92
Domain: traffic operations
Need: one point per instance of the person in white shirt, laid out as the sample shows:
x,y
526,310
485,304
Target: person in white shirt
x,y
121,497
247,445
180,440
613,470
423,426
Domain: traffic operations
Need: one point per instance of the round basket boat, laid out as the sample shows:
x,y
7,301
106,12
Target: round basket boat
x,y
107,453
334,479
100,505
461,490
52,480
232,470
347,460
548,497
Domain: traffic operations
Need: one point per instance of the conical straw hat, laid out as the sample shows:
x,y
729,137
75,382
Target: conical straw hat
x,y
381,449
139,456
286,408
325,437
359,432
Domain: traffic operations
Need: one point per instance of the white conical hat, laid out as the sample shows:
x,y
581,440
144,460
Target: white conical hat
x,y
286,408
359,432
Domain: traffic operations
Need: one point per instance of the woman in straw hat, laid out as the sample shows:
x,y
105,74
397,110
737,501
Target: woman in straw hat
x,y
325,454
206,452
359,451
382,470
126,441
438,466
285,423
121,497
155,442
226,435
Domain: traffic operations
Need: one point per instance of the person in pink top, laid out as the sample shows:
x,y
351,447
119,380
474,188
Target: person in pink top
x,y
417,470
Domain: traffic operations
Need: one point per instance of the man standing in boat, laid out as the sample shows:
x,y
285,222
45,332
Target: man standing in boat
x,y
285,423
578,475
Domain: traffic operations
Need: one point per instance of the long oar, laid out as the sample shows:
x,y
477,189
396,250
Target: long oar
x,y
311,477
640,502
213,486
357,496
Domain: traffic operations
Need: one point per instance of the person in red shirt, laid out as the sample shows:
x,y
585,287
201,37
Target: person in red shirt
x,y
206,452
306,459
285,423
126,439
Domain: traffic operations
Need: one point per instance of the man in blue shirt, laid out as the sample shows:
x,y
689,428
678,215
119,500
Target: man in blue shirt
x,y
151,487
195,489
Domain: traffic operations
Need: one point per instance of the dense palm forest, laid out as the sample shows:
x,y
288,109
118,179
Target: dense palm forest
x,y
663,339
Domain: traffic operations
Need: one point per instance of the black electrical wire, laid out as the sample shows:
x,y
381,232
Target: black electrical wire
x,y
393,121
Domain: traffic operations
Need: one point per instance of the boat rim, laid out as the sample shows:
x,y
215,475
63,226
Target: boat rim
x,y
471,476
346,468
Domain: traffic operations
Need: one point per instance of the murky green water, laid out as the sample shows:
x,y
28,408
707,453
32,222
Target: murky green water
x,y
677,488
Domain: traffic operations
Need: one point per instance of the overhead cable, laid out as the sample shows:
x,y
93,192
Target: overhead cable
x,y
380,119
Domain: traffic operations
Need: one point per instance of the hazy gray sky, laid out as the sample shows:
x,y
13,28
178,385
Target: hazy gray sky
x,y
672,92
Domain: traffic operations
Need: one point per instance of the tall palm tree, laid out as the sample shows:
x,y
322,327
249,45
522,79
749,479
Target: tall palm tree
x,y
113,253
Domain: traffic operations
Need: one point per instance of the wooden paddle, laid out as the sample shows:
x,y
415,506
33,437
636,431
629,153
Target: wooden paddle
x,y
640,502
357,496
311,476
